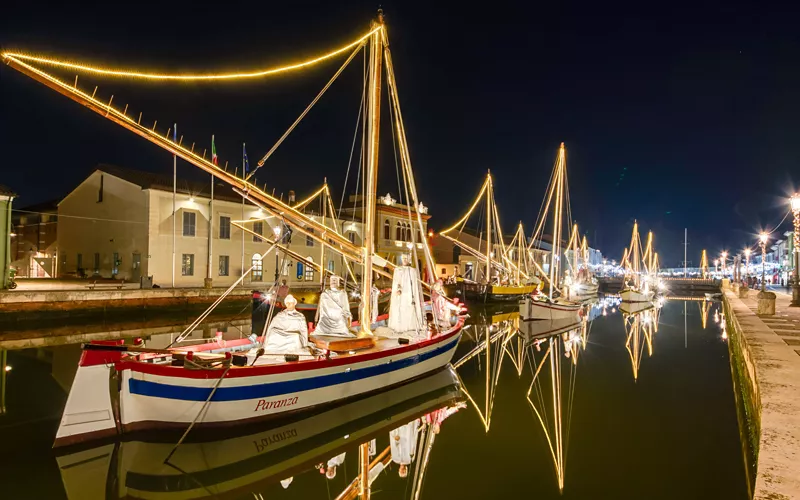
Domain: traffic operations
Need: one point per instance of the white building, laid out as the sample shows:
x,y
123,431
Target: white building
x,y
119,223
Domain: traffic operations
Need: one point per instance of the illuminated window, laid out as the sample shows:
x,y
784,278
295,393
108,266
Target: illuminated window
x,y
309,274
187,264
224,265
257,274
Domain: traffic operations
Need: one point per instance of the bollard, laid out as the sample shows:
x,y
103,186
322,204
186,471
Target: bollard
x,y
766,304
735,287
743,290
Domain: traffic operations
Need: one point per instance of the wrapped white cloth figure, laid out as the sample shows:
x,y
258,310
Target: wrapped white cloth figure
x,y
406,305
288,331
443,309
286,482
375,293
333,311
333,463
403,443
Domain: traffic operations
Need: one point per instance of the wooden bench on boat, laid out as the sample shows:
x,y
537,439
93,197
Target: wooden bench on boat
x,y
342,344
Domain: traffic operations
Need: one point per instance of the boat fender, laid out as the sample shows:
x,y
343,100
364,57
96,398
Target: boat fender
x,y
239,360
190,355
403,341
291,357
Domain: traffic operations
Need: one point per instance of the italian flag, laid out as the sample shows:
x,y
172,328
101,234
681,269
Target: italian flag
x,y
214,159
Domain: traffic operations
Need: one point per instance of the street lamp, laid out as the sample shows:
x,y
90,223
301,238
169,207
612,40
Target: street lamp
x,y
796,251
762,240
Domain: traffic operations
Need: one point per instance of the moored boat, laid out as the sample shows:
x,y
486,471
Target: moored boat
x,y
120,388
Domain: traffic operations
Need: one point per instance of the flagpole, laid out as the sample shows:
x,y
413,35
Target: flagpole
x,y
174,192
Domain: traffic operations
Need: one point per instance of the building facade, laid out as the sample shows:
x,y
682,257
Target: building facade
x,y
34,246
118,223
6,198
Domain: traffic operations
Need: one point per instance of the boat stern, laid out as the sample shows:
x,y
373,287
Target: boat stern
x,y
89,412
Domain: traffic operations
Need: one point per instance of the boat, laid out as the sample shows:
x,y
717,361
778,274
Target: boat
x,y
501,279
232,466
215,385
582,285
638,285
554,304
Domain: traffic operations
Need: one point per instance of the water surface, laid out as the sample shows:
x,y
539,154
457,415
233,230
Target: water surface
x,y
646,410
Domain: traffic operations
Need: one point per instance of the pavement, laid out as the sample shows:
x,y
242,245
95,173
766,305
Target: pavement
x,y
786,322
772,359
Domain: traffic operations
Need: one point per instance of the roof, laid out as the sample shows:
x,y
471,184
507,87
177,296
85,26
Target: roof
x,y
5,191
50,206
161,182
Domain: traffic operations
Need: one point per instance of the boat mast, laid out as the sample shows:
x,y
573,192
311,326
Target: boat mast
x,y
324,201
489,214
556,246
373,131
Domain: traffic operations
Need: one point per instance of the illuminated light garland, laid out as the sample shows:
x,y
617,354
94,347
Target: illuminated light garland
x,y
185,77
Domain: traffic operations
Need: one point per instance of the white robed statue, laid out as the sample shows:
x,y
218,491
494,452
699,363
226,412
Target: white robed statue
x,y
406,305
374,294
333,311
443,309
403,442
288,331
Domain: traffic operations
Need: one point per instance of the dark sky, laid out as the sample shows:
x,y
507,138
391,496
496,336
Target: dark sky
x,y
676,115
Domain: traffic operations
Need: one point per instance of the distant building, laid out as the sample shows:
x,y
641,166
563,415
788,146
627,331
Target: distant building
x,y
6,198
34,247
396,228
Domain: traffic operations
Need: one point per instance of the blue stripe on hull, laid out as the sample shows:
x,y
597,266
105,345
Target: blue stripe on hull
x,y
157,390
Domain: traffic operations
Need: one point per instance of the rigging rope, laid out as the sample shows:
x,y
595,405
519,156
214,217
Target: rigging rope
x,y
187,77
304,113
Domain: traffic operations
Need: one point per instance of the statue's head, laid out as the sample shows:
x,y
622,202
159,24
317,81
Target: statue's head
x,y
290,302
335,282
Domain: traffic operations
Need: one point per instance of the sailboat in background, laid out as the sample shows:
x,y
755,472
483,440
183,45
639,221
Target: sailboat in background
x,y
553,305
581,282
637,276
502,279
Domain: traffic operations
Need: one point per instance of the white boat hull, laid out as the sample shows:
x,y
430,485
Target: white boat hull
x,y
631,295
163,396
530,309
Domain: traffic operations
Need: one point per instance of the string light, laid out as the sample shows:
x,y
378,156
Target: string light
x,y
18,57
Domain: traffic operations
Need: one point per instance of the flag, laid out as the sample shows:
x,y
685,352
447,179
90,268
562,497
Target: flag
x,y
214,159
245,160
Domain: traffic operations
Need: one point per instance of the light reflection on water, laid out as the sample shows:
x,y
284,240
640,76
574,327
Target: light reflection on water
x,y
621,404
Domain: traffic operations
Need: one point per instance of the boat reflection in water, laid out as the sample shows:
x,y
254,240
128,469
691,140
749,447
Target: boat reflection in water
x,y
245,464
641,324
550,349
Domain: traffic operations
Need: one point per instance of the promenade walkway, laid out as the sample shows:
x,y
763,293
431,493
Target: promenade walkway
x,y
773,343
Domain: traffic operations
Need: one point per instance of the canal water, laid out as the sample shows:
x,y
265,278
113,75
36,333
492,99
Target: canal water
x,y
617,406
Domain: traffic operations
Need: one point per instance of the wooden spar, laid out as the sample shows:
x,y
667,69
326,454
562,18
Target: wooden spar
x,y
322,246
290,215
371,175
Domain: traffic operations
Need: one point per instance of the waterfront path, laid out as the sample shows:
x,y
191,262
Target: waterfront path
x,y
773,343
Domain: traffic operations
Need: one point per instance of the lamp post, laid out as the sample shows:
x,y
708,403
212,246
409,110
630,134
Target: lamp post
x,y
762,240
796,251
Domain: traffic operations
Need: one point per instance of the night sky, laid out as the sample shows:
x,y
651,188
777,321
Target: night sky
x,y
675,115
